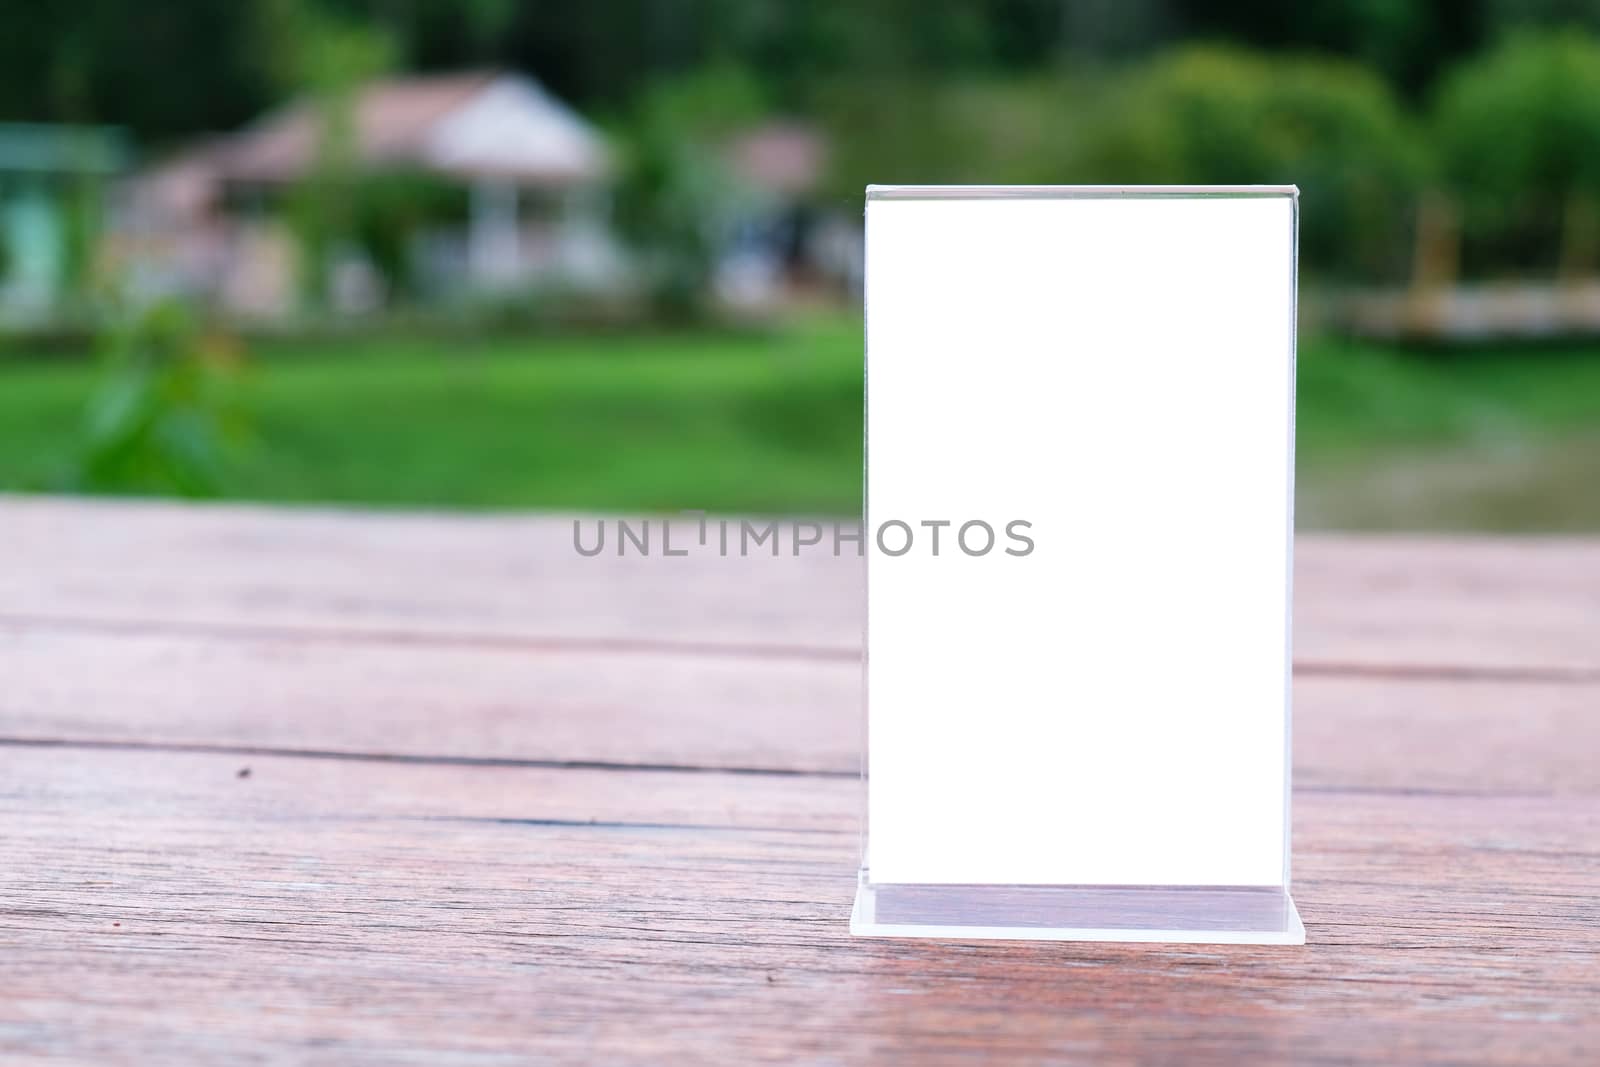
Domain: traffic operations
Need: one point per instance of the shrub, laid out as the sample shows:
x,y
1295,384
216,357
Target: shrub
x,y
908,130
1219,116
674,197
1519,139
164,418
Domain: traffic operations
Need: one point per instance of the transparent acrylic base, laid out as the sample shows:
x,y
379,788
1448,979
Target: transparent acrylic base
x,y
1245,915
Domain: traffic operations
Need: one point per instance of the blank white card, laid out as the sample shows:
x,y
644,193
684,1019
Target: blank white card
x,y
1115,372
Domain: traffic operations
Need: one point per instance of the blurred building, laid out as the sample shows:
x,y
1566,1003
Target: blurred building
x,y
459,183
51,201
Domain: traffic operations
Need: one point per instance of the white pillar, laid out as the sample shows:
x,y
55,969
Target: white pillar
x,y
493,244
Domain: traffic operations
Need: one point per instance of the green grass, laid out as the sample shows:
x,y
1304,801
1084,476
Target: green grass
x,y
759,422
1356,400
735,421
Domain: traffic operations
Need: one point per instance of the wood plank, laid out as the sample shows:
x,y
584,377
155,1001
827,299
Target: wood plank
x,y
426,700
1467,605
1475,736
692,710
158,908
1440,605
485,578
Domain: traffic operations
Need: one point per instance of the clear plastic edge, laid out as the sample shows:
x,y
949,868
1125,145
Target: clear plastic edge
x,y
1124,913
1238,915
1069,192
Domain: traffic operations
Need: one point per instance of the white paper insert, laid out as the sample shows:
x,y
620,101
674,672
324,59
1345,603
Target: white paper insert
x,y
1118,372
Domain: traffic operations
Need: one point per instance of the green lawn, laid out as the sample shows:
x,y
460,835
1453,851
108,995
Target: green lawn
x,y
732,421
740,421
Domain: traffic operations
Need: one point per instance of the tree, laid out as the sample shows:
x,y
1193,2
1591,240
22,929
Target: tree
x,y
327,57
675,196
1519,137
1225,117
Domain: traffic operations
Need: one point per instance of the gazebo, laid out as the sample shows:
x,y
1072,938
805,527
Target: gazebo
x,y
500,134
535,174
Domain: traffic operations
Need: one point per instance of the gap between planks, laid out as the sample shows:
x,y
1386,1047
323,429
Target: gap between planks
x,y
487,642
490,642
423,759
623,767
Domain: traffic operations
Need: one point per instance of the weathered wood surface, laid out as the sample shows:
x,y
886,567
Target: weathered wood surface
x,y
506,806
1448,606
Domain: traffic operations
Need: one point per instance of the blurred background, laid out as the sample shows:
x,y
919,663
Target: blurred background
x,y
506,254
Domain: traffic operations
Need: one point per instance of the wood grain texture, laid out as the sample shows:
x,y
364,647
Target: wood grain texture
x,y
488,579
1443,606
697,710
501,808
163,909
1462,605
426,700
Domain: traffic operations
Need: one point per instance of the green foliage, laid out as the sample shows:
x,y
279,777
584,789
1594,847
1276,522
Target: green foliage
x,y
674,195
969,90
326,56
182,67
748,423
709,104
740,422
1219,116
1519,136
1197,115
81,211
665,206
307,46
164,416
1510,15
388,209
889,130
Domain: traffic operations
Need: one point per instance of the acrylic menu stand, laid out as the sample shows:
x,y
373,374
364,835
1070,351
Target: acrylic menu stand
x,y
1078,721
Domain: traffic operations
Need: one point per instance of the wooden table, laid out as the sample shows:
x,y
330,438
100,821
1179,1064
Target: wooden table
x,y
315,787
